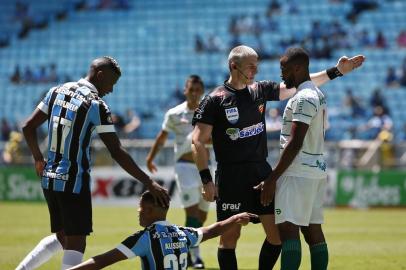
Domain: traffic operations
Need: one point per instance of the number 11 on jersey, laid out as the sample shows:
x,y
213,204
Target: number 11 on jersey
x,y
66,126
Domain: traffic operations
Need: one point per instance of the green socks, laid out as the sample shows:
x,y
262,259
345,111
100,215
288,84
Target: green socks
x,y
291,254
319,256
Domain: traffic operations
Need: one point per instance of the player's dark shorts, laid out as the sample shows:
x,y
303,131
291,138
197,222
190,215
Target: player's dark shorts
x,y
69,212
235,184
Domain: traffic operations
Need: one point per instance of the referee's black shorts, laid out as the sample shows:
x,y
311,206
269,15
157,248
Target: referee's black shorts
x,y
70,213
236,194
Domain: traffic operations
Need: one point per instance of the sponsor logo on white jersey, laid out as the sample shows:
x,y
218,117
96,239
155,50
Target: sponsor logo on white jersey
x,y
232,115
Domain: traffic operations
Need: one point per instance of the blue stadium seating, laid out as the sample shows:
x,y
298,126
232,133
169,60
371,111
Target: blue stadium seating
x,y
154,44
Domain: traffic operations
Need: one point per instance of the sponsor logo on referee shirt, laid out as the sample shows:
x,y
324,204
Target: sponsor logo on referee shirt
x,y
236,133
232,115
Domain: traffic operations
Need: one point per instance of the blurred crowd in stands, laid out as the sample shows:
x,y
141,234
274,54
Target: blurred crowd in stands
x,y
396,76
28,20
40,74
322,39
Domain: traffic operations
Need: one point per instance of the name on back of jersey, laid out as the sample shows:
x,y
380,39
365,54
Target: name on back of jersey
x,y
66,105
175,245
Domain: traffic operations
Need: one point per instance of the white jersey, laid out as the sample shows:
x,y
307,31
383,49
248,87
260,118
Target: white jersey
x,y
179,121
307,106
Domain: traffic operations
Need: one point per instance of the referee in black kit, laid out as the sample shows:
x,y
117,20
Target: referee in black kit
x,y
233,116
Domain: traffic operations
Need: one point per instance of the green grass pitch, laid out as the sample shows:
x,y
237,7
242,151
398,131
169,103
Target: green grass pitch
x,y
357,239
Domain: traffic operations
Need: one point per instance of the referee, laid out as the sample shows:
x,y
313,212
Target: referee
x,y
233,116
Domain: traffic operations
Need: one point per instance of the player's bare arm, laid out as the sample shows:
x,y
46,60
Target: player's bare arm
x,y
124,159
156,147
267,187
344,65
36,119
202,134
101,261
221,227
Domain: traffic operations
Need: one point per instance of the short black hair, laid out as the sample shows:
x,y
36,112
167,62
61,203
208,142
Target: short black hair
x,y
195,79
107,62
148,198
297,55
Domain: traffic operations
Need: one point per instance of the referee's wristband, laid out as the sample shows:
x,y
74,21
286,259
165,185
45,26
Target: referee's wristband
x,y
205,176
333,73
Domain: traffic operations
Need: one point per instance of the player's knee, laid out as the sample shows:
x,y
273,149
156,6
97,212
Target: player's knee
x,y
229,239
203,216
274,238
61,238
77,243
307,238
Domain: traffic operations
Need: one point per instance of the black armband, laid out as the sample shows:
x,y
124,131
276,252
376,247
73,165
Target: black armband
x,y
333,73
205,176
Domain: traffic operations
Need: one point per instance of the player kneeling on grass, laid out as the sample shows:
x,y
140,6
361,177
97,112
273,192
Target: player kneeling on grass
x,y
161,245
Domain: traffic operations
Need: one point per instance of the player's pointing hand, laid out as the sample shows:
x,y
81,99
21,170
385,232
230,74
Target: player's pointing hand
x,y
346,65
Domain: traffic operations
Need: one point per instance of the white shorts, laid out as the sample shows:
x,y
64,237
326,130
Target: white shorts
x,y
299,200
190,185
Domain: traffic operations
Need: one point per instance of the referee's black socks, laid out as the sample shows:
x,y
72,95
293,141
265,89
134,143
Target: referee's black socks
x,y
227,259
269,255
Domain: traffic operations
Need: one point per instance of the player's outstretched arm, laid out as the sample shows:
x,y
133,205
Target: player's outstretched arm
x,y
158,144
124,159
30,126
202,134
221,227
101,261
344,66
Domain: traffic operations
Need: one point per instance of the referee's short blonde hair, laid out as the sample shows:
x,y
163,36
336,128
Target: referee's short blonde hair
x,y
240,52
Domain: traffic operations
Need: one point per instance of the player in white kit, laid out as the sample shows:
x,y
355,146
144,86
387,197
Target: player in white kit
x,y
300,175
179,121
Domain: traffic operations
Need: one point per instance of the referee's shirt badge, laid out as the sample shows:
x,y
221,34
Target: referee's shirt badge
x,y
232,115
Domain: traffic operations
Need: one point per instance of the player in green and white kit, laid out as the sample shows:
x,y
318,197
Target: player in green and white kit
x,y
300,175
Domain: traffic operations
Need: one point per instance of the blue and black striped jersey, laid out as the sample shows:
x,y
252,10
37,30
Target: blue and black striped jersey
x,y
161,246
74,110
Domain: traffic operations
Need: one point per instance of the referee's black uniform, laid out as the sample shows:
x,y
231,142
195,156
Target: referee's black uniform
x,y
240,144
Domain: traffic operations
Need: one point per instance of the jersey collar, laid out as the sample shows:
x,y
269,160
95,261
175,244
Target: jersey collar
x,y
88,85
232,89
306,84
161,222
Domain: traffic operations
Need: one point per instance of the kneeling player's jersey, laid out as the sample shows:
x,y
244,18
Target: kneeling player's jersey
x,y
74,110
307,106
161,246
238,120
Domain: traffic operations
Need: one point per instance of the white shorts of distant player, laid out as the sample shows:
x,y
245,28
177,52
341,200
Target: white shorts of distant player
x,y
190,186
299,200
